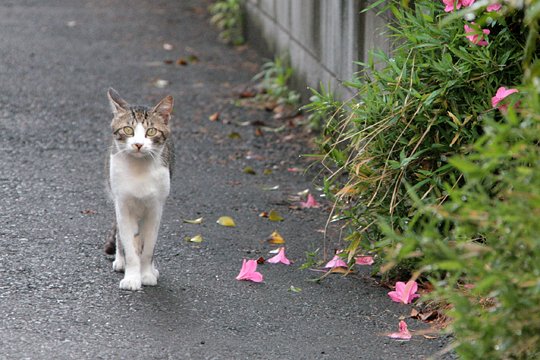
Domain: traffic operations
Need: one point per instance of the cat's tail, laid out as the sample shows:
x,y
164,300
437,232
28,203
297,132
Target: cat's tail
x,y
110,243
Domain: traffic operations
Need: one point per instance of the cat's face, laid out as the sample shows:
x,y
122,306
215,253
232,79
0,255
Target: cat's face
x,y
138,130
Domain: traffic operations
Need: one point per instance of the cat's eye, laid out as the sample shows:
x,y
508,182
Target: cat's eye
x,y
128,130
151,132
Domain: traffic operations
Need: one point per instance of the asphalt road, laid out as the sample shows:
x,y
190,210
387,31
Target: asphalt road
x,y
59,297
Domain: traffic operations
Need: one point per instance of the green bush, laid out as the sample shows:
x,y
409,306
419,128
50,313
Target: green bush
x,y
428,172
228,16
491,239
274,79
414,110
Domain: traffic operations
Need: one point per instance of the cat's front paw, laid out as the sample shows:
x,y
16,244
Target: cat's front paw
x,y
119,265
150,277
131,283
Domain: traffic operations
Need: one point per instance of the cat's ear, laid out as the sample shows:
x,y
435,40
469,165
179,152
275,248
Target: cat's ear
x,y
118,105
164,108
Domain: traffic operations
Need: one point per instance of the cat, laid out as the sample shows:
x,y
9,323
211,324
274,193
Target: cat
x,y
139,171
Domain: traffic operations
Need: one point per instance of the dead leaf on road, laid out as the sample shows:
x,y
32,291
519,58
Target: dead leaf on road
x,y
274,216
214,117
195,221
195,239
276,238
226,221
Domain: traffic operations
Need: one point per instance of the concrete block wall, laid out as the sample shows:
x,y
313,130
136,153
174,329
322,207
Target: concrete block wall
x,y
322,38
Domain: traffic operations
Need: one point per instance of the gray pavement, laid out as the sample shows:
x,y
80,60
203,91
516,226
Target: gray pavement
x,y
59,297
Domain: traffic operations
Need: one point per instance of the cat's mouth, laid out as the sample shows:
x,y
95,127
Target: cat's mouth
x,y
138,153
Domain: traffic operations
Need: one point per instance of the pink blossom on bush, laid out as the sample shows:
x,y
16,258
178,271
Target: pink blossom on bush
x,y
452,5
494,7
474,37
502,93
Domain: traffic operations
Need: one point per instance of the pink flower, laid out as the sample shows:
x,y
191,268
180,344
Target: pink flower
x,y
403,333
280,258
494,7
310,202
404,293
450,5
364,260
458,4
474,37
502,93
336,262
249,271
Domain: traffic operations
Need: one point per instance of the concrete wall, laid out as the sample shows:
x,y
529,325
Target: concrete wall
x,y
322,38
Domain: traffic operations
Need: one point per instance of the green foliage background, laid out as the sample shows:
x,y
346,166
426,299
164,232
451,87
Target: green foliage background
x,y
439,183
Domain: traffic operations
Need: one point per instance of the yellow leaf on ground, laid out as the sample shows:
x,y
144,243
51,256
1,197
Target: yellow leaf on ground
x,y
195,239
276,238
226,221
274,216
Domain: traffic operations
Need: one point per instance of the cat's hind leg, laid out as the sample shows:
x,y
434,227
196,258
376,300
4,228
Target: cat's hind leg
x,y
119,263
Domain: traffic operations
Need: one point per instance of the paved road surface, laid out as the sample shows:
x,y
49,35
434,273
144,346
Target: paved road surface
x,y
59,297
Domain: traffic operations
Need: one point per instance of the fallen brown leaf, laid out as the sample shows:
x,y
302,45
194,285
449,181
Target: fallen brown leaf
x,y
247,94
214,117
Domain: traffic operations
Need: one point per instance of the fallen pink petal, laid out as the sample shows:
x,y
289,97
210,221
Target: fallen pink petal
x,y
280,258
249,271
364,260
404,293
474,37
336,262
403,333
310,202
502,93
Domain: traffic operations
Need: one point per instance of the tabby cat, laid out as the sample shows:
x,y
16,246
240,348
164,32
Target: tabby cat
x,y
139,171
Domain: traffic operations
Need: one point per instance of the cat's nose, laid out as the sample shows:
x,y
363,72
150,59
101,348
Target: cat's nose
x,y
138,146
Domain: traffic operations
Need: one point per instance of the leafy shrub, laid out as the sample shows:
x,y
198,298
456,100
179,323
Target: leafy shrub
x,y
274,78
414,110
228,16
441,180
491,242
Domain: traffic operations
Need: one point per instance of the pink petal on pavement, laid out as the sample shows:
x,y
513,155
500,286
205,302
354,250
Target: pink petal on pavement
x,y
404,293
336,262
409,293
364,260
279,258
249,271
310,202
395,296
403,333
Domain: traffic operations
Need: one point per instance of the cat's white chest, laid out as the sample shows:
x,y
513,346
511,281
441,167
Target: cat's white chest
x,y
138,179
